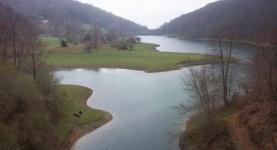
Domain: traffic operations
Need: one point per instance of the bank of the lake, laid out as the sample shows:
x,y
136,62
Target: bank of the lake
x,y
144,56
202,132
242,41
78,119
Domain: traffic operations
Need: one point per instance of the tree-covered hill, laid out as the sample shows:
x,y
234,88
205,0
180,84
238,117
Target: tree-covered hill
x,y
250,17
56,14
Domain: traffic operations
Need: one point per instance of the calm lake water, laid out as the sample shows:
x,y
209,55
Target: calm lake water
x,y
141,103
170,44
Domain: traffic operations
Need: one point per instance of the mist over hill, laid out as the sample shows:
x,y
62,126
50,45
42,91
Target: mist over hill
x,y
250,18
61,13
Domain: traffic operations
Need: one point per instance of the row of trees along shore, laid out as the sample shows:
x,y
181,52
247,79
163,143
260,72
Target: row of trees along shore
x,y
252,82
30,100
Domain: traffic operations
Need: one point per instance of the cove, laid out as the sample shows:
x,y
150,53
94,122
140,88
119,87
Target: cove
x,y
141,104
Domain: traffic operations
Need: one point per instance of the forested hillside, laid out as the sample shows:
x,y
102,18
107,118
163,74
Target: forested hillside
x,y
249,17
55,15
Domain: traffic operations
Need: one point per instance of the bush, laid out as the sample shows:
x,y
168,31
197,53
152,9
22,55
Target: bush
x,y
210,133
63,43
123,45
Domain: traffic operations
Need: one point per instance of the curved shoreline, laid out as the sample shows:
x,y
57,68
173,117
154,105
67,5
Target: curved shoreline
x,y
178,66
78,131
82,129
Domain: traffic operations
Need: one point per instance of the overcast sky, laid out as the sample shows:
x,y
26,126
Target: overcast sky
x,y
151,13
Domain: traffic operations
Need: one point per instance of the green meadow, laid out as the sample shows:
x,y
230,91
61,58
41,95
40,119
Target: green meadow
x,y
142,57
75,100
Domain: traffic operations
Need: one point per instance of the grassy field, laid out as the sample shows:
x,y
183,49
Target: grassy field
x,y
50,42
142,57
75,101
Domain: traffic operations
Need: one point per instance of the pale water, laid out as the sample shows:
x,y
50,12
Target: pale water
x,y
141,103
170,44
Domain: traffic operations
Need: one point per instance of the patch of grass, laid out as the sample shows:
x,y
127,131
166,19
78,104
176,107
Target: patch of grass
x,y
142,57
74,102
50,42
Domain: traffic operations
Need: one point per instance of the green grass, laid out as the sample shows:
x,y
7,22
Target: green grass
x,y
50,42
86,27
75,101
142,57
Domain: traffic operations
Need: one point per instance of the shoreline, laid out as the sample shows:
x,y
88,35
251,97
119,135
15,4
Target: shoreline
x,y
178,66
240,41
84,128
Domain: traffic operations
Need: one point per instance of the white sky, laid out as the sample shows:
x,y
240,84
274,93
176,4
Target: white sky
x,y
151,13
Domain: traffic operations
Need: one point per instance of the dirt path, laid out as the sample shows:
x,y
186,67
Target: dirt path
x,y
240,134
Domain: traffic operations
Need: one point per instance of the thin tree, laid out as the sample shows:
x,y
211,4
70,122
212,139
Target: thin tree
x,y
35,53
260,76
96,37
202,86
225,55
5,34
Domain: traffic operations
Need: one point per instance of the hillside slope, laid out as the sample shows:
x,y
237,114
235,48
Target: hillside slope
x,y
59,13
249,17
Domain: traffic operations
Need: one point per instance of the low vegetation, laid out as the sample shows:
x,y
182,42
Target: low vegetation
x,y
203,132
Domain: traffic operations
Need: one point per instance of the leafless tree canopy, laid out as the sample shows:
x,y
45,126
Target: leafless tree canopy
x,y
203,87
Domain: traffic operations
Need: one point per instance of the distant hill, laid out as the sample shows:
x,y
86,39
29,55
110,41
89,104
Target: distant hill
x,y
60,13
249,16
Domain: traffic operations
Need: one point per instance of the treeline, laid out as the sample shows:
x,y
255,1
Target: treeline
x,y
54,16
95,38
249,16
30,100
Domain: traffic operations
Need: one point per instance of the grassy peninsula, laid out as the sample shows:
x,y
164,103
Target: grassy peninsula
x,y
78,119
142,57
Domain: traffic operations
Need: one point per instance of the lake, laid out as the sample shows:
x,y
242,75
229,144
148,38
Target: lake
x,y
171,44
141,103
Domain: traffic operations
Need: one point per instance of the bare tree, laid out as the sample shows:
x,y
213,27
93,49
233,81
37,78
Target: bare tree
x,y
225,55
88,46
5,25
35,52
111,36
18,37
263,86
96,37
203,87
